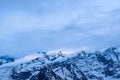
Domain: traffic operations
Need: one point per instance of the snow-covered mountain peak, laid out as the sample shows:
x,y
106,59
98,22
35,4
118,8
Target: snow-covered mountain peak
x,y
64,52
57,65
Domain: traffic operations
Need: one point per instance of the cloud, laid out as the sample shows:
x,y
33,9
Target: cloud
x,y
55,15
43,25
20,21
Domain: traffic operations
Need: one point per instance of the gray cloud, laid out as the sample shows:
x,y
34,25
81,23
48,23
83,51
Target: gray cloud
x,y
46,25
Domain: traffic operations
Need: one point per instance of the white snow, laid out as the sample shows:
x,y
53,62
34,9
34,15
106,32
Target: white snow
x,y
67,51
22,60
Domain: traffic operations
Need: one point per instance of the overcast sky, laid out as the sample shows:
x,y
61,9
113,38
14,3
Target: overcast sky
x,y
28,26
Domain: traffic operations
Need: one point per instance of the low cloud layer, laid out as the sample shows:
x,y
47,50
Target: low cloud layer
x,y
33,26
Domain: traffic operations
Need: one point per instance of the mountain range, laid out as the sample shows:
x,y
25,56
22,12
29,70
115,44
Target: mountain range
x,y
79,65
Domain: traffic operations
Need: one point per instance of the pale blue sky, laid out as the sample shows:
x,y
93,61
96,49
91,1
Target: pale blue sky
x,y
28,26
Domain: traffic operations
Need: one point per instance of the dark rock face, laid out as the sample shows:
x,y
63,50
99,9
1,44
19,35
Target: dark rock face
x,y
83,66
21,76
46,73
6,59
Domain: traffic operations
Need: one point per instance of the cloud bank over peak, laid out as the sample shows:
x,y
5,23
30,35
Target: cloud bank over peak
x,y
30,26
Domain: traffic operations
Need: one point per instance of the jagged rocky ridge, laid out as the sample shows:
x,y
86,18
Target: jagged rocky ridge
x,y
79,66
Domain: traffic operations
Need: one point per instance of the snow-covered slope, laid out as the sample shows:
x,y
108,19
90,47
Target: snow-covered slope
x,y
25,59
59,66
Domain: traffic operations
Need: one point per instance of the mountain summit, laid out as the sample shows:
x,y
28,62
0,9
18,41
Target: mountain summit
x,y
81,65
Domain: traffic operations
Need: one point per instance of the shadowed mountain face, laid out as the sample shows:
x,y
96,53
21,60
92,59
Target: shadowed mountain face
x,y
5,59
79,66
